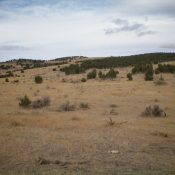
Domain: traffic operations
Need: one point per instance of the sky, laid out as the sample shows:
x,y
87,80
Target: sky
x,y
47,29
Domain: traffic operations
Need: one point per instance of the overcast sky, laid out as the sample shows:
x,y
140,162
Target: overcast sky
x,y
45,29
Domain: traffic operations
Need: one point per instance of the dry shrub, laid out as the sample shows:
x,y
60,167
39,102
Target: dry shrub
x,y
39,103
84,105
24,101
160,81
158,133
154,111
75,118
17,124
67,107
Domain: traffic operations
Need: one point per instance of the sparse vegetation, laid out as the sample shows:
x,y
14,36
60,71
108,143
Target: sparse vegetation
x,y
160,81
154,111
24,101
54,69
166,68
38,79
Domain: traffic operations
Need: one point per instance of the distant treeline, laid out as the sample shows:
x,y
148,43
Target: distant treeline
x,y
114,62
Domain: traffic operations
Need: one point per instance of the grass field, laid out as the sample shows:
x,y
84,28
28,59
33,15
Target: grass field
x,y
83,141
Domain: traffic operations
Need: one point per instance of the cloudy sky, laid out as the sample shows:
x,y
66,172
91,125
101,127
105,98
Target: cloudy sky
x,y
45,29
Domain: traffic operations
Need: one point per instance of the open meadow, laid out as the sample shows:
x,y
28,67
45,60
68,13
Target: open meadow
x,y
91,127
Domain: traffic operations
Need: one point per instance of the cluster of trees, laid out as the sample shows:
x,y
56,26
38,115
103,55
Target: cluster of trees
x,y
165,68
113,62
5,67
109,75
147,69
92,74
141,68
72,69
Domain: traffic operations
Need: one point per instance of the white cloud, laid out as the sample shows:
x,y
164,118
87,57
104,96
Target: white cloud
x,y
53,31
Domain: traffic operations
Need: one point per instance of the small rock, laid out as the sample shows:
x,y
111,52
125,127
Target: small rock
x,y
113,151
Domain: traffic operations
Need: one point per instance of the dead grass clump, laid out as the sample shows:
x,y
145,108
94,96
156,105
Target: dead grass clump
x,y
75,118
84,105
63,80
160,81
16,124
45,101
110,122
158,133
67,107
113,106
154,111
113,112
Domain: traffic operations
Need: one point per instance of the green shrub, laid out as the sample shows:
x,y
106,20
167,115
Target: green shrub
x,y
6,80
24,101
92,74
83,80
149,73
101,75
38,79
166,68
22,71
54,69
129,76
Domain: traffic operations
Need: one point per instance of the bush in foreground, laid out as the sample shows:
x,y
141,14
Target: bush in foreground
x,y
154,111
67,107
44,101
129,76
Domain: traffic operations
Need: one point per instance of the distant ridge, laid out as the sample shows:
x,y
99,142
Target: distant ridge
x,y
144,55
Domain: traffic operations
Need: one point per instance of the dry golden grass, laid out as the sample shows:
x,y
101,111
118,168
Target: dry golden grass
x,y
84,135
